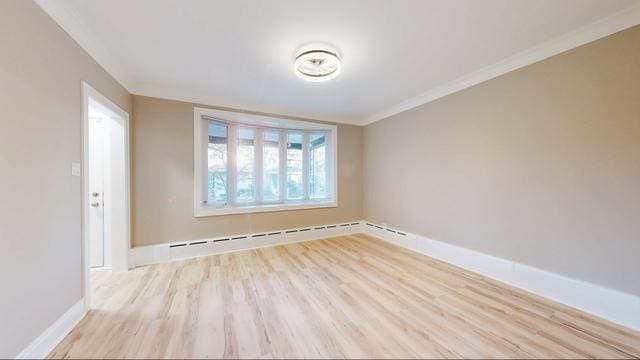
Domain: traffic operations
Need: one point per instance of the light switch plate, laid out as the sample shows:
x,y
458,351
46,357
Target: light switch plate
x,y
75,169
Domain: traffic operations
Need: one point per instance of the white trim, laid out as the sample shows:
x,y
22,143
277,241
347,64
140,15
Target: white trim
x,y
305,166
258,164
282,164
201,210
249,209
232,161
204,99
594,31
610,304
49,339
72,23
261,120
154,254
121,256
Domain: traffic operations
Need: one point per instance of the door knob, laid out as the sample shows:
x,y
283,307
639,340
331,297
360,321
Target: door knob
x,y
95,194
95,204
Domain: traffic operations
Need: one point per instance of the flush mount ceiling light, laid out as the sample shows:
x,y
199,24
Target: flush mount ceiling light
x,y
317,63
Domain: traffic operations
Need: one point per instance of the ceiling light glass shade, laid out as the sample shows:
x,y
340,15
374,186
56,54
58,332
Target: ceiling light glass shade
x,y
317,65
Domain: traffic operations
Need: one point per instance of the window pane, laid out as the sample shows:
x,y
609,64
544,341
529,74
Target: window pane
x,y
317,166
271,166
246,156
217,163
294,166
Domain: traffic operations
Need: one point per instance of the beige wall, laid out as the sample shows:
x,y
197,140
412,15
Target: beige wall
x,y
541,166
41,69
163,181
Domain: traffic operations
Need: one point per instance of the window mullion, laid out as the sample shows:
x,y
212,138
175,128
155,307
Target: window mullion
x,y
327,165
258,164
282,194
204,161
305,165
232,164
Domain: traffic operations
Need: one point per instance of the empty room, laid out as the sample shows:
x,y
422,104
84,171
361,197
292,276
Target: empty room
x,y
320,179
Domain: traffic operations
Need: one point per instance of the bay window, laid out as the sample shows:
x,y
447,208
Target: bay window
x,y
248,163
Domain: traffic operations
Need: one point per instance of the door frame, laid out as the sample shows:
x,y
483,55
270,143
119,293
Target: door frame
x,y
120,250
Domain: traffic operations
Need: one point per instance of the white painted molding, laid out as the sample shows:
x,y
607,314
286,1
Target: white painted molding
x,y
609,25
72,23
47,341
120,248
154,254
610,304
201,98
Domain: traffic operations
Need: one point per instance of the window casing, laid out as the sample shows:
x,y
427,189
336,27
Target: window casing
x,y
248,163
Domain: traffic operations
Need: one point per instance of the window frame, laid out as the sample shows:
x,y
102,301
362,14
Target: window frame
x,y
234,121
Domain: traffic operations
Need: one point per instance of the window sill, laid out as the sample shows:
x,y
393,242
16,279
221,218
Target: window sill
x,y
204,211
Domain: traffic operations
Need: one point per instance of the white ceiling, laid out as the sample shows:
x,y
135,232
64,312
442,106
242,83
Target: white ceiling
x,y
396,54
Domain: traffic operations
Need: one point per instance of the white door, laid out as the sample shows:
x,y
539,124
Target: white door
x,y
96,191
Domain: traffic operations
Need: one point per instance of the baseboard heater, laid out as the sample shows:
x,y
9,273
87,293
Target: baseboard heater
x,y
153,254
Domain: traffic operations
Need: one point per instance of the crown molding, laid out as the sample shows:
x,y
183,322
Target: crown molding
x,y
71,22
609,25
213,101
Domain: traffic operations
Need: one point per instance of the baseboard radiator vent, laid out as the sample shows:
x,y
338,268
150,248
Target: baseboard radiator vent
x,y
379,227
147,255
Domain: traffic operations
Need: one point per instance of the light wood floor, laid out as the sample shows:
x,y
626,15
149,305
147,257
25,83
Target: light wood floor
x,y
352,296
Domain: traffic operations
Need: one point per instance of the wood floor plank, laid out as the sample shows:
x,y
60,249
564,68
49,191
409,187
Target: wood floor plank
x,y
345,297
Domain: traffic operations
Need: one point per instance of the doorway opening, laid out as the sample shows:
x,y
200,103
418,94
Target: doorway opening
x,y
106,206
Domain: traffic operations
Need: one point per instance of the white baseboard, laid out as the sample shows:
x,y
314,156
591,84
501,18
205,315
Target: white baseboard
x,y
610,304
147,255
47,341
613,305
